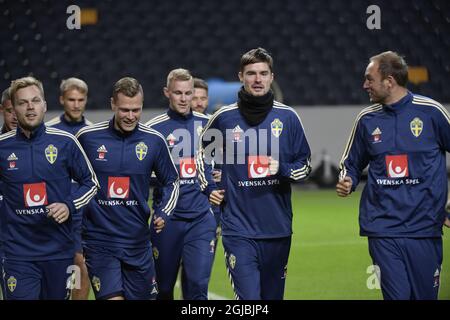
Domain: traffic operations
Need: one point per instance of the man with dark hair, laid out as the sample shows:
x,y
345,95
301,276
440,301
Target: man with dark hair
x,y
116,235
73,98
403,139
265,150
38,163
200,98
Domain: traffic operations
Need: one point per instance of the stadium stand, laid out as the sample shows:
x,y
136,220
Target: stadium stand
x,y
321,47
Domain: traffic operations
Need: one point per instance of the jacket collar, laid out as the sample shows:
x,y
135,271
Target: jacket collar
x,y
401,104
176,116
72,123
36,133
120,134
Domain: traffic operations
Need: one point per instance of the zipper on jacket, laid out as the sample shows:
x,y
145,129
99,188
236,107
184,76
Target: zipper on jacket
x,y
395,130
122,153
32,158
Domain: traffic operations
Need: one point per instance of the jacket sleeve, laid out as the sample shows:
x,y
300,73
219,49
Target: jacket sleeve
x,y
206,155
83,173
442,127
205,178
300,167
355,157
167,176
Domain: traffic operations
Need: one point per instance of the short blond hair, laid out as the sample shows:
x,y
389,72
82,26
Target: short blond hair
x,y
73,84
24,82
178,75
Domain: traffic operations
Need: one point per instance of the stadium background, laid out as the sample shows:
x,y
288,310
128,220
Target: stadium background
x,y
320,49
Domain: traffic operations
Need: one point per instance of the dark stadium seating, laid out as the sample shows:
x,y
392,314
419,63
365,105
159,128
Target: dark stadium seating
x,y
320,47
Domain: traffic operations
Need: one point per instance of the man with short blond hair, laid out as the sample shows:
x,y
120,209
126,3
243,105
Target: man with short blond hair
x,y
73,98
190,235
116,238
39,205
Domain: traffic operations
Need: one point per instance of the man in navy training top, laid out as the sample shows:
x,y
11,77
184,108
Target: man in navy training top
x,y
403,138
9,123
264,151
116,233
37,165
199,104
73,98
190,233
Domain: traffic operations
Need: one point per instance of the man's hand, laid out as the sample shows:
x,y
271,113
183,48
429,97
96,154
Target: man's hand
x,y
274,165
58,211
158,223
447,207
344,187
216,197
447,222
217,175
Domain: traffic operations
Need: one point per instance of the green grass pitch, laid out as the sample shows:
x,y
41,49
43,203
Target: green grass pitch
x,y
328,258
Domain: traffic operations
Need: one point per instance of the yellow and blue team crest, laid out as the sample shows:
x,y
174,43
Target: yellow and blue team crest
x,y
51,153
141,150
96,283
155,253
277,127
11,283
416,127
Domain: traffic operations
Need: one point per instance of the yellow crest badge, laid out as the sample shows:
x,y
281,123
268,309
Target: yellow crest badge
x,y
141,150
11,283
51,153
277,127
232,261
155,253
96,283
416,127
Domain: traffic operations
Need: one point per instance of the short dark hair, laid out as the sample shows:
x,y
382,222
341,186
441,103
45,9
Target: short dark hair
x,y
392,64
200,84
127,86
255,56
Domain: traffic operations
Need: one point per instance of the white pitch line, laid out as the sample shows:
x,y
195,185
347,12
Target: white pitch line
x,y
211,295
329,243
